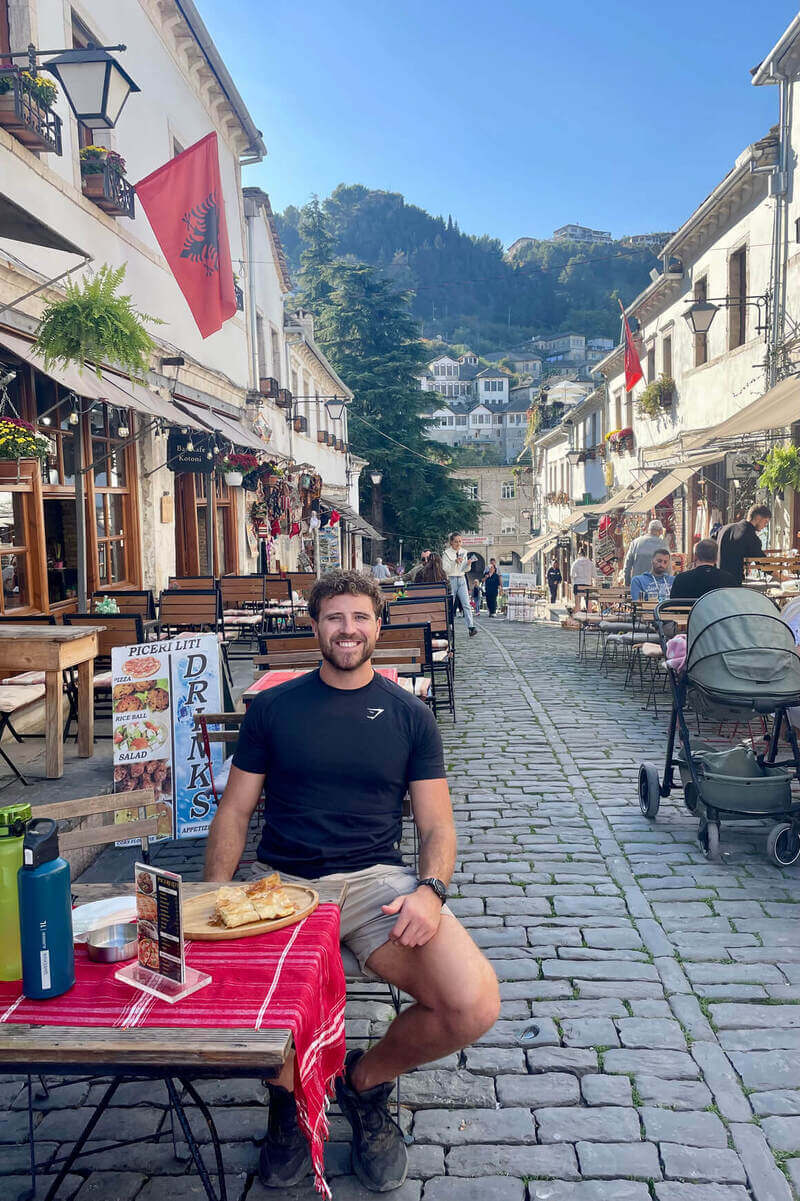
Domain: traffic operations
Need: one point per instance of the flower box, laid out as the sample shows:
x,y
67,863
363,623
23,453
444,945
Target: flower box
x,y
234,479
31,121
322,436
14,471
300,425
109,190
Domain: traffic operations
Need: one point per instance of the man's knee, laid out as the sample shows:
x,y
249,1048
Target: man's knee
x,y
475,1011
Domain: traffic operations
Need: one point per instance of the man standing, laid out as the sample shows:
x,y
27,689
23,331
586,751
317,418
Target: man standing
x,y
456,564
554,578
582,577
704,576
656,583
739,541
641,551
379,570
336,813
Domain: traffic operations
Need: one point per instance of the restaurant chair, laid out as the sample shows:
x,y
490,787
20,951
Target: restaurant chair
x,y
418,637
121,629
138,601
195,609
192,582
278,604
435,613
242,598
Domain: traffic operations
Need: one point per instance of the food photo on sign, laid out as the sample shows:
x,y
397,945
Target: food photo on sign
x,y
157,690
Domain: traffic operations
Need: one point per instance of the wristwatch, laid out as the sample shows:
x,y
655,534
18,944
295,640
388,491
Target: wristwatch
x,y
438,886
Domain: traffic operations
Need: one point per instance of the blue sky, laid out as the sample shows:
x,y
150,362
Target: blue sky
x,y
516,116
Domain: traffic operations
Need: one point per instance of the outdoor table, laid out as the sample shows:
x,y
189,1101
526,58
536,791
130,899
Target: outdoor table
x,y
271,679
52,649
148,1052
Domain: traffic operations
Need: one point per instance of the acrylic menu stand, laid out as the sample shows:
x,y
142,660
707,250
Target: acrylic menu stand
x,y
160,986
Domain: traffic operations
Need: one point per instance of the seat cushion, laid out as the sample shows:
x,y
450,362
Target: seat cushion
x,y
102,679
440,656
651,650
19,696
616,626
25,677
440,644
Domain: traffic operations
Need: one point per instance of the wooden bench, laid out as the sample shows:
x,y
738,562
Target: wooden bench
x,y
188,609
81,836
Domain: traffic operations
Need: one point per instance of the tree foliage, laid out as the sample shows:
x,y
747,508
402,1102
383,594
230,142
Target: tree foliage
x,y
463,287
367,330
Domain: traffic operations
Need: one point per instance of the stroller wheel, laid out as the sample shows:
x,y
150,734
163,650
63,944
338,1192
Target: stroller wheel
x,y
708,837
690,797
783,844
649,790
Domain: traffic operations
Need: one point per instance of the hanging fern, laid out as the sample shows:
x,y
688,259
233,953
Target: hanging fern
x,y
95,324
781,469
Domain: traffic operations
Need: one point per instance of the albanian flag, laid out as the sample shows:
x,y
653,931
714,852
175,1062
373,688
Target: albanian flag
x,y
186,208
633,368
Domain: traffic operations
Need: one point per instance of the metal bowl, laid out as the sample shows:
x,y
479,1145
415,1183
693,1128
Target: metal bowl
x,y
113,943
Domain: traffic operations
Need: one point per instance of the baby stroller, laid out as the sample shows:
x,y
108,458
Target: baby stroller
x,y
740,664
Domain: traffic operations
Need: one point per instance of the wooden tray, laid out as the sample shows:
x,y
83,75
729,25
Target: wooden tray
x,y
198,910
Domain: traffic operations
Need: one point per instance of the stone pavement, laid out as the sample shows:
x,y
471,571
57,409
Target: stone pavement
x,y
649,1042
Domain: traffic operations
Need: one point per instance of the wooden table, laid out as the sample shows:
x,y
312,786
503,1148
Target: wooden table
x,y
52,649
149,1053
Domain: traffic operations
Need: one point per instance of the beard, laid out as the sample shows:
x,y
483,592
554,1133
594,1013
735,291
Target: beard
x,y
346,659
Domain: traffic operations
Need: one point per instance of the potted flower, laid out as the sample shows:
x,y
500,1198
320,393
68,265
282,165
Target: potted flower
x,y
103,180
780,469
234,466
26,109
657,395
21,449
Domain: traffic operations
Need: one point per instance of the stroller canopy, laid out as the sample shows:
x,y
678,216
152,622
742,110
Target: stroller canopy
x,y
740,652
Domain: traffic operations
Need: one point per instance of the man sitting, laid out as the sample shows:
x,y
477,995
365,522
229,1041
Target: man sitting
x,y
656,583
704,577
338,749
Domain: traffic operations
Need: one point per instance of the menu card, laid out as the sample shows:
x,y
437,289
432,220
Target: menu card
x,y
160,921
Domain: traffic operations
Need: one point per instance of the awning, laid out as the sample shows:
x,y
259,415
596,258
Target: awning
x,y
231,428
358,524
115,391
773,411
672,480
616,501
19,225
538,544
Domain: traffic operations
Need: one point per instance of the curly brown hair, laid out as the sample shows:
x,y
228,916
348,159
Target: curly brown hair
x,y
344,583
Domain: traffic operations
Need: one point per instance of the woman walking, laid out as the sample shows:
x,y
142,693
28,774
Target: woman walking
x,y
456,564
491,587
554,578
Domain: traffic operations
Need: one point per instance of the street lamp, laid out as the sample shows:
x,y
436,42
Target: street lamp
x,y
700,315
376,477
573,456
95,85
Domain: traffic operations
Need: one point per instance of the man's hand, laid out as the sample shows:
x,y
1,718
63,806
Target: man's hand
x,y
419,915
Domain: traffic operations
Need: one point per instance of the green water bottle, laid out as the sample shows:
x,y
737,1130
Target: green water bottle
x,y
13,819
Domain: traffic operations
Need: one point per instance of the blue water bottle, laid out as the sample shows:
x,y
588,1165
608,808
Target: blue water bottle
x,y
45,914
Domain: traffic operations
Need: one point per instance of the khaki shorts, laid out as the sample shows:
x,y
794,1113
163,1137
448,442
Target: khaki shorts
x,y
364,927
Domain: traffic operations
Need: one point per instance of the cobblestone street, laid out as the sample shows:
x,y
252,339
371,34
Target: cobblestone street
x,y
649,1043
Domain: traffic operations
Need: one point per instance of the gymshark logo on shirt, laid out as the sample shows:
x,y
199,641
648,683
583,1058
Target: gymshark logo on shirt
x,y
373,713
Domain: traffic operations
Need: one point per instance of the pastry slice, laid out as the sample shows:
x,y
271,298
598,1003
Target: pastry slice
x,y
274,905
234,907
260,888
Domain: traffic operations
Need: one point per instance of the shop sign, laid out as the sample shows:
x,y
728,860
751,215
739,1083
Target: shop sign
x,y
564,542
329,550
518,579
180,460
157,688
473,540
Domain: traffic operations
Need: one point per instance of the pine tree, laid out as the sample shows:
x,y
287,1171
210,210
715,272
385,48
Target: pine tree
x,y
317,256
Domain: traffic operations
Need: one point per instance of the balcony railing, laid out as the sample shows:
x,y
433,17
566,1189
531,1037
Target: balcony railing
x,y
37,127
110,191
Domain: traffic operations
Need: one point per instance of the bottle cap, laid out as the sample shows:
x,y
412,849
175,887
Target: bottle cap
x,y
13,819
41,842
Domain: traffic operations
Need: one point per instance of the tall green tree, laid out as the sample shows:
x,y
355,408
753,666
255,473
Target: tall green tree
x,y
317,256
366,328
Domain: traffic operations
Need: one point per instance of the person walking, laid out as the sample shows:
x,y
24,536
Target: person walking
x,y
582,577
456,564
641,551
554,578
492,586
739,541
476,595
379,570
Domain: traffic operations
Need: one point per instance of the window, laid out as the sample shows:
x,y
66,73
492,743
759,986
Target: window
x,y
261,347
5,42
14,563
81,37
666,357
442,422
651,364
487,385
508,526
701,340
275,343
617,410
111,493
737,290
461,421
471,490
628,410
508,490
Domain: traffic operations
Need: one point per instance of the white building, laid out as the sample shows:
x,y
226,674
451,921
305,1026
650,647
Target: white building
x,y
580,233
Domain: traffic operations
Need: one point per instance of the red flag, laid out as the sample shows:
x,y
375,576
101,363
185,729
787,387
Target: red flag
x,y
186,208
633,368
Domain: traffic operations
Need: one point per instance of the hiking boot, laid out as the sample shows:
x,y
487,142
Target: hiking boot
x,y
285,1157
380,1159
472,631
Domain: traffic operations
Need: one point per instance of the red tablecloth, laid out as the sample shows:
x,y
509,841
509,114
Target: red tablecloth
x,y
290,978
271,679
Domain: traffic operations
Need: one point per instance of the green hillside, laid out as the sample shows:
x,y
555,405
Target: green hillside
x,y
464,288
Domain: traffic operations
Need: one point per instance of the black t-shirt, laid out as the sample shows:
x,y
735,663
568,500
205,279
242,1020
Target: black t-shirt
x,y
338,764
689,585
736,543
